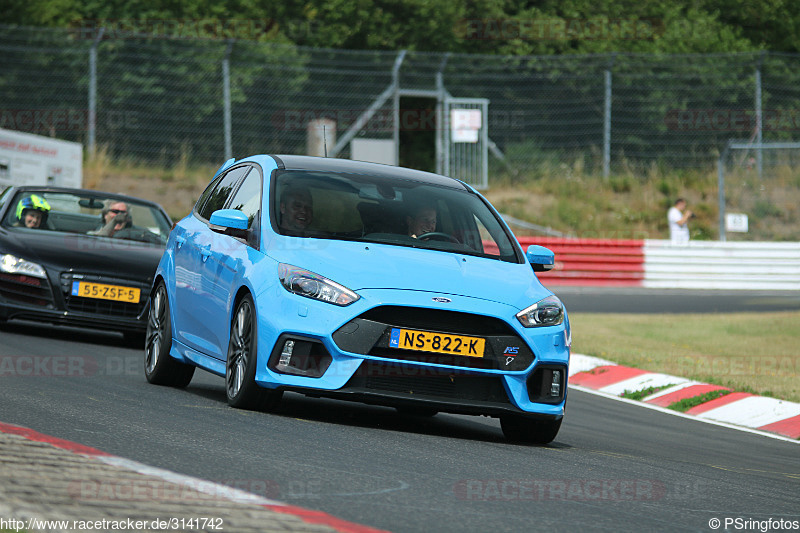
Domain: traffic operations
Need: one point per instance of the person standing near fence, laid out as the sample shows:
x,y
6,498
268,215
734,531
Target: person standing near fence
x,y
679,222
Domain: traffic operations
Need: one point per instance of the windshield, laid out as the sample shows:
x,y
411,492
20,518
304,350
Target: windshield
x,y
399,212
92,214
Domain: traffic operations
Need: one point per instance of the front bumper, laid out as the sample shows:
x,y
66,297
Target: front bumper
x,y
332,359
49,300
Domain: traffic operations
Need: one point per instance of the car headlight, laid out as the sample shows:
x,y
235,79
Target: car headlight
x,y
546,312
15,265
310,285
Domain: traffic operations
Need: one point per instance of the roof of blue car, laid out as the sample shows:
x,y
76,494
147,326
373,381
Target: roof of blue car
x,y
332,164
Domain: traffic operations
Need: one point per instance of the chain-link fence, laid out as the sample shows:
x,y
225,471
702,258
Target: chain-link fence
x,y
154,99
759,191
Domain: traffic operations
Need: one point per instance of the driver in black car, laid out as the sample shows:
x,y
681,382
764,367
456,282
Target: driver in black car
x,y
422,220
115,216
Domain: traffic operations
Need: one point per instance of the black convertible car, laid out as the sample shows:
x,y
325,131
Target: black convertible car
x,y
79,257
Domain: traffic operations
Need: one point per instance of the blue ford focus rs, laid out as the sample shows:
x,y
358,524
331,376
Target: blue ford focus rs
x,y
363,282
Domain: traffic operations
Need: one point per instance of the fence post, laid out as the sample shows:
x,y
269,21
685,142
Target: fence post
x,y
396,105
759,118
721,188
226,99
92,126
607,119
440,98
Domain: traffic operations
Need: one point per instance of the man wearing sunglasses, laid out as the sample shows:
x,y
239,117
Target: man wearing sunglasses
x,y
115,216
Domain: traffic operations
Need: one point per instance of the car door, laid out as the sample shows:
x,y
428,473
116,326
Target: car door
x,y
193,293
222,268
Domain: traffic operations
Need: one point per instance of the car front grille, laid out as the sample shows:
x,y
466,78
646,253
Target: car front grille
x,y
369,334
26,289
106,308
429,383
438,320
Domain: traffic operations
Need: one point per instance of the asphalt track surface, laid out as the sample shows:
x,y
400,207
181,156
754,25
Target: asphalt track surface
x,y
614,466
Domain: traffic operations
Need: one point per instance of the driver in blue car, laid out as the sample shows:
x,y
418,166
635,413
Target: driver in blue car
x,y
32,212
114,217
422,220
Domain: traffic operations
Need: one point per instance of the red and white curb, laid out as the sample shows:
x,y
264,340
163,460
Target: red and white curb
x,y
207,487
736,409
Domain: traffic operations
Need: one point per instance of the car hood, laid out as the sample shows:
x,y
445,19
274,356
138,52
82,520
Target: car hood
x,y
376,266
82,253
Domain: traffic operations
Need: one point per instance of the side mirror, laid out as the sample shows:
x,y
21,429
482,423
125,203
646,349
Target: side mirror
x,y
229,222
541,259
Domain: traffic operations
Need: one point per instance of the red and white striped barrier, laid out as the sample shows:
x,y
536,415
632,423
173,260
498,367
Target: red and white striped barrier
x,y
663,265
592,262
722,265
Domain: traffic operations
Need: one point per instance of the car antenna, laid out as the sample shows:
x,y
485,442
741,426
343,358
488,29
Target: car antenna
x,y
324,141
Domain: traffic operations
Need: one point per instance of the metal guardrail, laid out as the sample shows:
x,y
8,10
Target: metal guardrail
x,y
659,264
722,265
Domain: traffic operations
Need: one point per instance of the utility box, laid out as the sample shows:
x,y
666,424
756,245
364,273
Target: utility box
x,y
320,136
28,159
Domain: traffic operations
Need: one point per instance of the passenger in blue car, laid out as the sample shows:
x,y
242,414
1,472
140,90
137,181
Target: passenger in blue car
x,y
297,208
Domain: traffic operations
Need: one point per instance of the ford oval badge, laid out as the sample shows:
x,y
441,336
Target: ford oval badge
x,y
442,300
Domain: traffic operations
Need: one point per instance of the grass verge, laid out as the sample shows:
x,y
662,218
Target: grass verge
x,y
758,353
687,403
644,393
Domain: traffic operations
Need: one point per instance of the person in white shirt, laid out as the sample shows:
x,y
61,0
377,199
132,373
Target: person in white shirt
x,y
679,222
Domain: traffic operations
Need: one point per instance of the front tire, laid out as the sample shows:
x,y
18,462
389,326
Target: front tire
x,y
135,339
526,430
240,368
160,368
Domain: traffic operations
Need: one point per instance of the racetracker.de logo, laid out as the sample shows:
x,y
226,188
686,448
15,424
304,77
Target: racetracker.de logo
x,y
614,490
44,120
382,121
733,120
150,490
558,29
48,366
204,28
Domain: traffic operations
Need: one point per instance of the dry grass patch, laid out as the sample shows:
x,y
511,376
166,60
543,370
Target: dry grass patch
x,y
749,352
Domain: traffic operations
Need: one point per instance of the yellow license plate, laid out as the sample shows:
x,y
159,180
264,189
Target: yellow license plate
x,y
105,292
426,341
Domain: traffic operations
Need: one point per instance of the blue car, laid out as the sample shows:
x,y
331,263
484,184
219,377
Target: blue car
x,y
359,281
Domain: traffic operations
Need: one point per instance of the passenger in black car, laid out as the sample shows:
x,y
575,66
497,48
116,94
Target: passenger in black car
x,y
32,212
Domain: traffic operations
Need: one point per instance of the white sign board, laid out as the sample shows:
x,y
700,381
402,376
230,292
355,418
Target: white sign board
x,y
28,159
374,151
465,125
736,222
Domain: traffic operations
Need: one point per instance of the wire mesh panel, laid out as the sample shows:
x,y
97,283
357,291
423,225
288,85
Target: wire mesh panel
x,y
760,204
158,98
466,137
43,83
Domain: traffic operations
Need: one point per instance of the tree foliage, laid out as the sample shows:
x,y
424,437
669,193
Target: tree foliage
x,y
503,27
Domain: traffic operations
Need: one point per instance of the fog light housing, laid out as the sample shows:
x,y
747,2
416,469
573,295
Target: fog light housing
x,y
555,385
546,384
299,356
286,354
